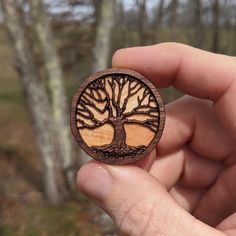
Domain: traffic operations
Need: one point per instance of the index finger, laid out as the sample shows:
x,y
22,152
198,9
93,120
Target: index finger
x,y
192,71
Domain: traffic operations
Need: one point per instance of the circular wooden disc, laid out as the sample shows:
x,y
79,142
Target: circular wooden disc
x,y
117,116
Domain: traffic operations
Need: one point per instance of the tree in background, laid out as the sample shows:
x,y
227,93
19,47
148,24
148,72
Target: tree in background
x,y
173,19
38,103
105,20
142,21
41,26
105,23
197,22
233,49
157,22
215,25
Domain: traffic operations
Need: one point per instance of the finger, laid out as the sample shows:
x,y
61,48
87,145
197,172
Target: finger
x,y
186,197
137,202
199,172
192,71
167,169
220,200
228,223
185,67
186,167
193,121
147,162
230,232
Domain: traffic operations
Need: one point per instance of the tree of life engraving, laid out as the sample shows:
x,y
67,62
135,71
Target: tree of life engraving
x,y
117,100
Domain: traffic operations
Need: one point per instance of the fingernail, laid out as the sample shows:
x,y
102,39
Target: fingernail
x,y
94,180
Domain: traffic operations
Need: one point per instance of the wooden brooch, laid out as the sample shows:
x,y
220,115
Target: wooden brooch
x,y
117,116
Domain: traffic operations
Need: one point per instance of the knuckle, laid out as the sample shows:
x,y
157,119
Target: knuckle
x,y
141,218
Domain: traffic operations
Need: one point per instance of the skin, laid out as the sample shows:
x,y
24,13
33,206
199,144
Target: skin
x,y
187,186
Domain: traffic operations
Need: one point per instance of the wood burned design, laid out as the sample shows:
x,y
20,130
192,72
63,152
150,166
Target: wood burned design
x,y
117,116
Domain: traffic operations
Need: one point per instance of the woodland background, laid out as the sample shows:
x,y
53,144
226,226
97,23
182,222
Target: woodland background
x,y
47,48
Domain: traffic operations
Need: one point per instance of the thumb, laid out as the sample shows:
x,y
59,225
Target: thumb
x,y
137,202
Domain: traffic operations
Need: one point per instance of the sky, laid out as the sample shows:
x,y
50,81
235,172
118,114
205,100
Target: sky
x,y
61,6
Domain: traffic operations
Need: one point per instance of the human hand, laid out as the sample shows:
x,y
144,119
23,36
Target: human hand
x,y
188,185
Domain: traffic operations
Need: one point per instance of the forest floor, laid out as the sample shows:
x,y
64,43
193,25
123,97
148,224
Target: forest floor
x,y
23,210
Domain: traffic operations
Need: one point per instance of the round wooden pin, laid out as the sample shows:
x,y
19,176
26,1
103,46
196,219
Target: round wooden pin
x,y
117,116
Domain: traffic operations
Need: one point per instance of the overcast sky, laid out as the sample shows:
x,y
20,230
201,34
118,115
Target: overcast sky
x,y
60,6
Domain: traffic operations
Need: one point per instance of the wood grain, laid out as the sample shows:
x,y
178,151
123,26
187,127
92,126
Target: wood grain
x,y
117,116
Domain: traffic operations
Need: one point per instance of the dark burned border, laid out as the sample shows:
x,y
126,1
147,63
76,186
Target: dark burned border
x,y
113,71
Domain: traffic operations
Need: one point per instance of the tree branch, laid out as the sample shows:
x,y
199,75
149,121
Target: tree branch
x,y
84,100
86,109
136,112
93,126
151,124
113,95
101,83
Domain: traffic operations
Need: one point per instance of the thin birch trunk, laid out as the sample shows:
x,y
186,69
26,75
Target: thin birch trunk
x,y
173,19
121,23
41,26
105,20
215,25
105,24
142,21
197,21
233,52
157,22
37,102
105,16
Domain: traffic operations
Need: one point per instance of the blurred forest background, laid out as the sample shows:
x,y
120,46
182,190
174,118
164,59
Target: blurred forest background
x,y
47,48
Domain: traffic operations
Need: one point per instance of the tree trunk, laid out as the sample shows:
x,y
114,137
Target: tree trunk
x,y
37,101
119,134
41,26
234,34
215,25
157,22
173,19
198,31
106,20
142,20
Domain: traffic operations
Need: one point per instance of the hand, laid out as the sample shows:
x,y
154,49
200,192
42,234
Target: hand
x,y
188,185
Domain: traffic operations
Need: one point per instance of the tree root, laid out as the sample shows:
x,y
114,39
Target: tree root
x,y
110,151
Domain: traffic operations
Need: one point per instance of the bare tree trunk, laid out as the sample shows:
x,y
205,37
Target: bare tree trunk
x,y
215,25
173,19
120,38
233,52
157,22
142,20
123,39
198,31
37,101
41,26
106,20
